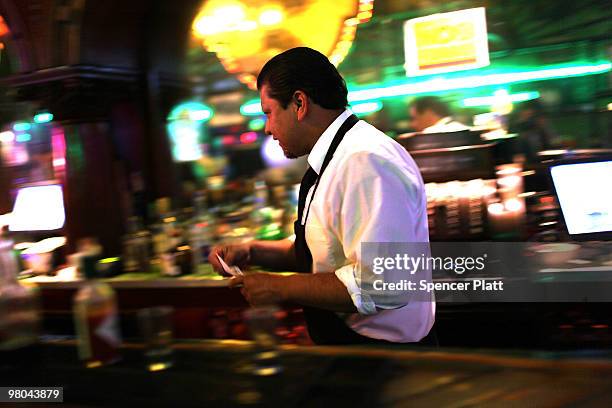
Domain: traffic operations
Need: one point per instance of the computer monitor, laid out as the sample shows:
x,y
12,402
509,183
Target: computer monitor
x,y
585,197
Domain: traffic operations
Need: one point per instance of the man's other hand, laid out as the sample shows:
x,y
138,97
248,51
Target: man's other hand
x,y
233,255
260,289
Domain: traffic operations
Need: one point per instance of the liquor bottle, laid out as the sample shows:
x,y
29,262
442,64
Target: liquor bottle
x,y
95,315
161,226
19,307
163,233
201,231
136,244
170,247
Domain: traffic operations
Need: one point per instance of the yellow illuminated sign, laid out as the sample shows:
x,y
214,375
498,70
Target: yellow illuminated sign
x,y
446,42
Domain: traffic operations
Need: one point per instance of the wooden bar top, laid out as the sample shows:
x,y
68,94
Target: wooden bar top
x,y
208,373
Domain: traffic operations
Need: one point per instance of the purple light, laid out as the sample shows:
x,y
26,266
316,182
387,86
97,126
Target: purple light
x,y
273,154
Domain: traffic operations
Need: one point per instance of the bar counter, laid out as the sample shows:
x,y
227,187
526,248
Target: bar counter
x,y
211,373
205,308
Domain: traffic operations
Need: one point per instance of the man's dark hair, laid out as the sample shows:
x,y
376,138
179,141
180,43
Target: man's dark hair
x,y
306,70
431,103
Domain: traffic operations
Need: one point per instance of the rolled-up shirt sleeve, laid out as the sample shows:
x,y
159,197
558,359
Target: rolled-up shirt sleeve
x,y
380,204
362,301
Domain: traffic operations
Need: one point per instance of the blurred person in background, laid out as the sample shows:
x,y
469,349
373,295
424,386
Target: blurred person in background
x,y
534,130
429,114
359,185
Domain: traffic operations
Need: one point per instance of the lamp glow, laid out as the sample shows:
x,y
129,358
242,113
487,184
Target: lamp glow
x,y
23,137
272,154
193,111
438,84
44,117
7,136
230,14
244,34
270,17
496,208
22,127
228,140
248,137
252,108
200,115
223,19
489,100
184,138
513,205
257,124
39,208
366,107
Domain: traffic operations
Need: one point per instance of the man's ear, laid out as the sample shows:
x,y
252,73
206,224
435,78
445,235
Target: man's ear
x,y
301,104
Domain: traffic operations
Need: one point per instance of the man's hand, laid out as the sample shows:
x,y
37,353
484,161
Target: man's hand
x,y
322,290
279,255
260,289
233,255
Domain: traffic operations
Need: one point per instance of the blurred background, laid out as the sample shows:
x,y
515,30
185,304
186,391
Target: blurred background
x,y
124,103
133,128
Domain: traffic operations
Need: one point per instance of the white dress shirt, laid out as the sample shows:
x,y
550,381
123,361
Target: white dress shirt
x,y
371,191
444,125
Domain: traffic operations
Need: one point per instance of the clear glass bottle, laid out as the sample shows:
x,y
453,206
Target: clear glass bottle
x,y
95,316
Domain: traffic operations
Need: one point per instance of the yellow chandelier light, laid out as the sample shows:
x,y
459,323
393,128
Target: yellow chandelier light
x,y
244,34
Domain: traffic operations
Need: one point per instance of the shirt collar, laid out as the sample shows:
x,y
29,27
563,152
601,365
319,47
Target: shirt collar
x,y
444,121
319,150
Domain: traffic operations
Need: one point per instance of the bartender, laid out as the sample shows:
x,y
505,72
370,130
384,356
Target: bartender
x,y
429,114
534,129
361,186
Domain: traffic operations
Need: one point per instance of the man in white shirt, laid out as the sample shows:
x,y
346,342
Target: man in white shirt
x,y
361,186
429,114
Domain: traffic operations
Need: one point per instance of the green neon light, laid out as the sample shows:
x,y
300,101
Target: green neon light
x,y
22,127
489,100
366,107
192,111
438,83
43,117
257,124
23,137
